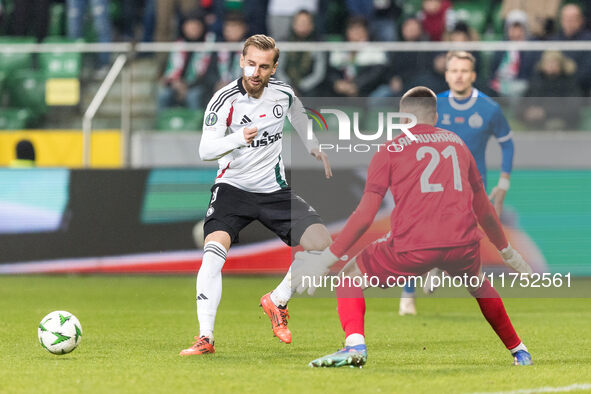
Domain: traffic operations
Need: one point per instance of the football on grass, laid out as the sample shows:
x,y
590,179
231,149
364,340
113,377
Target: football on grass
x,y
60,332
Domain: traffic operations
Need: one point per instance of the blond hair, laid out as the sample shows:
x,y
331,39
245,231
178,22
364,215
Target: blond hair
x,y
463,55
261,42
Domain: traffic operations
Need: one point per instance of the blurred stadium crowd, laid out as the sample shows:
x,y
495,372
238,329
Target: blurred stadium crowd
x,y
188,79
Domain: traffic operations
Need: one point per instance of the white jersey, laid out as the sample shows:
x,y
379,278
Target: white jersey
x,y
255,167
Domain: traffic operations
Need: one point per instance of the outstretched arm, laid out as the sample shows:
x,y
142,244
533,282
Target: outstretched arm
x,y
358,223
376,187
312,264
317,264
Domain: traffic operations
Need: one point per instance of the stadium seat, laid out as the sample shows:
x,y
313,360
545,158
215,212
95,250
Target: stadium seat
x,y
474,13
60,64
233,5
333,37
12,61
13,118
179,119
27,90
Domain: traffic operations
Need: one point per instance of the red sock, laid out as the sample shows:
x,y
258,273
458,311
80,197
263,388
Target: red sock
x,y
351,308
492,308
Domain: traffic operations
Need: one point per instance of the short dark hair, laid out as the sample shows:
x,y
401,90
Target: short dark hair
x,y
420,101
194,14
233,17
25,150
355,21
304,11
462,27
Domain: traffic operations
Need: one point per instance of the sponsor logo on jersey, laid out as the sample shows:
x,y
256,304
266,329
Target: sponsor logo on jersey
x,y
446,119
267,139
459,119
278,111
211,119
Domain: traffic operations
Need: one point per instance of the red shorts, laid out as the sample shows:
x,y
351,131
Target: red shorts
x,y
380,260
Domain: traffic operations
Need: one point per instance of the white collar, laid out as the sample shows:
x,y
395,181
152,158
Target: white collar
x,y
464,106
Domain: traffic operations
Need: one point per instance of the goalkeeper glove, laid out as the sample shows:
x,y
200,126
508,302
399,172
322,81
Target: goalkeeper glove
x,y
313,265
513,259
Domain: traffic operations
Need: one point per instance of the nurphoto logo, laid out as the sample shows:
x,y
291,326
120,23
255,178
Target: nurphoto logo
x,y
390,122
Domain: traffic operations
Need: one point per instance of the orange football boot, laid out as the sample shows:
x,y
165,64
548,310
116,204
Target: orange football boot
x,y
278,318
201,346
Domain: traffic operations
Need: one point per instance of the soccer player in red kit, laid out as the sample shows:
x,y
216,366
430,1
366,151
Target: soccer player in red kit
x,y
440,200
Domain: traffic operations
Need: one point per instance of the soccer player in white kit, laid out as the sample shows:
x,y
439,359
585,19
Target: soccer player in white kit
x,y
242,130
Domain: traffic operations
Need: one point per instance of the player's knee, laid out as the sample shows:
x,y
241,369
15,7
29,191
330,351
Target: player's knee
x,y
316,237
221,237
319,244
485,290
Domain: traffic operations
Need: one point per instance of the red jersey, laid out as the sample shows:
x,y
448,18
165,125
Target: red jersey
x,y
433,181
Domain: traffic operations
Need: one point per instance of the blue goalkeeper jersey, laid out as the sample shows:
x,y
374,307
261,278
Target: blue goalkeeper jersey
x,y
475,120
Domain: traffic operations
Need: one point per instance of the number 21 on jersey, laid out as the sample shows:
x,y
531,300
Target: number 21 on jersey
x,y
448,152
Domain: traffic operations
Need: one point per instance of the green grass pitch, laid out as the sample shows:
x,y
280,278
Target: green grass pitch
x,y
134,327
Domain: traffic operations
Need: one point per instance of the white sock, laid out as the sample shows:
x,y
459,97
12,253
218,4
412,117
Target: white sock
x,y
354,340
282,293
521,346
406,294
209,286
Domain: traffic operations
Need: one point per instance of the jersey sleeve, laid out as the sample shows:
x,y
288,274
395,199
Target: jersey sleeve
x,y
299,120
504,136
378,174
218,116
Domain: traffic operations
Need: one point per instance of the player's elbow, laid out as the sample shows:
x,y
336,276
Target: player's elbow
x,y
488,220
206,154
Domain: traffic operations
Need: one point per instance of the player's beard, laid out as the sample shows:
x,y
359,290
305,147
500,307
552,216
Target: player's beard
x,y
255,90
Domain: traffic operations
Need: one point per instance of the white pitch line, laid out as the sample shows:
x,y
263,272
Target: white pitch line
x,y
572,387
